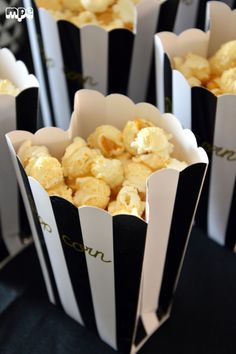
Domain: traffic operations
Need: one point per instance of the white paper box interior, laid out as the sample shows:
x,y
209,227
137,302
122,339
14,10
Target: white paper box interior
x,y
96,265
18,112
211,118
117,61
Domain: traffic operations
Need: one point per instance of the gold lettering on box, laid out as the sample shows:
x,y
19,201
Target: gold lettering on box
x,y
73,75
229,155
45,226
78,247
168,105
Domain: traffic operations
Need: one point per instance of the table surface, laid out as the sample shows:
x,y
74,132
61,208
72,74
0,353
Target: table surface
x,y
203,318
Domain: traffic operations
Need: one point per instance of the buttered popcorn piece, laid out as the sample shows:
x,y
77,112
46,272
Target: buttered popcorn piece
x,y
107,139
96,5
108,14
26,151
193,66
8,88
130,132
110,171
152,139
84,18
73,5
155,160
129,198
91,191
115,208
49,4
46,170
60,15
176,164
124,10
136,175
61,190
224,58
77,159
128,202
227,81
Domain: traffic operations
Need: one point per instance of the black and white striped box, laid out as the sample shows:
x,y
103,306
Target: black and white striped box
x,y
18,112
67,59
211,118
115,275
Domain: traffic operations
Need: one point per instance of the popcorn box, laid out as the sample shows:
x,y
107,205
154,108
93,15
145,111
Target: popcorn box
x,y
68,58
116,275
212,118
16,112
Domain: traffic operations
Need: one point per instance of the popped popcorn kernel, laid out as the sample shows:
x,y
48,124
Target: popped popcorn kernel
x,y
62,190
91,191
46,170
152,139
215,73
194,65
96,5
136,175
130,132
176,164
227,81
154,160
84,18
224,58
110,171
8,88
77,159
26,151
50,4
107,139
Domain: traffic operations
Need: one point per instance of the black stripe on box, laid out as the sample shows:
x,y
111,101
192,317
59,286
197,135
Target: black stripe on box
x,y
190,180
26,119
40,234
140,332
201,15
68,224
167,84
3,249
120,47
129,235
151,89
44,60
27,110
204,105
72,57
230,238
167,16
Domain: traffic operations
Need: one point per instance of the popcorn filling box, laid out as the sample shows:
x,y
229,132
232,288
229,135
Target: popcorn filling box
x,y
116,275
68,58
210,117
16,112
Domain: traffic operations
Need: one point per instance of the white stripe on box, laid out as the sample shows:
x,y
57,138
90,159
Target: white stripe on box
x,y
55,251
97,232
31,221
223,171
94,48
161,200
186,15
148,12
9,206
159,63
55,70
181,99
